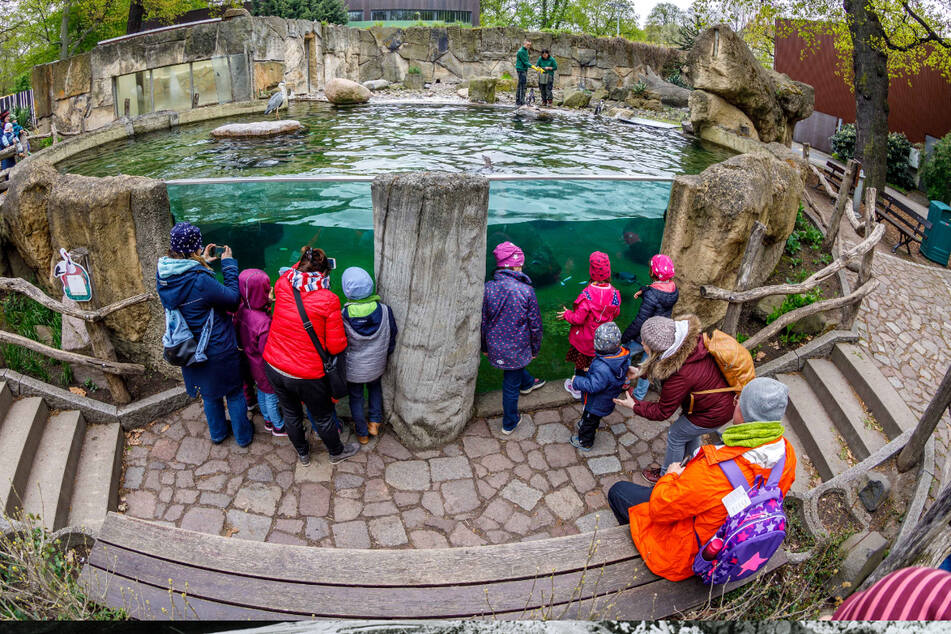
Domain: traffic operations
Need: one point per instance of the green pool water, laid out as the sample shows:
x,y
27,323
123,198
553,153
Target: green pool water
x,y
557,222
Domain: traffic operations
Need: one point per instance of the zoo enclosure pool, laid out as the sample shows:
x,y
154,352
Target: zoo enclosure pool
x,y
557,221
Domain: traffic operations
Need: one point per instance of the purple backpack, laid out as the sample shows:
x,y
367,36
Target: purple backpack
x,y
748,539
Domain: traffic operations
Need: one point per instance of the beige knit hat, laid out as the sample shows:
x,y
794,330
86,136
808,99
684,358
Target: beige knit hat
x,y
658,333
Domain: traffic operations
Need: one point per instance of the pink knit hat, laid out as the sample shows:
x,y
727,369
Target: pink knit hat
x,y
662,267
599,267
507,254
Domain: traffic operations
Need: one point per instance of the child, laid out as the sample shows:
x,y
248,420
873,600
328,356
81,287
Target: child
x,y
7,139
371,339
604,380
598,303
253,324
659,300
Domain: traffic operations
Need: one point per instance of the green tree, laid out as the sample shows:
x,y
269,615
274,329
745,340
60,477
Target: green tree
x,y
332,11
663,23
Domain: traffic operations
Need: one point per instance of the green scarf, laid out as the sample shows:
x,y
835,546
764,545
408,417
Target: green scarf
x,y
362,307
752,434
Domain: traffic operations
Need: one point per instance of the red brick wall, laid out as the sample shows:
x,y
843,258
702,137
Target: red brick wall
x,y
924,107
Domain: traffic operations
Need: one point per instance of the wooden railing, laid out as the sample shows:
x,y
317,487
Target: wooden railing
x,y
105,355
871,231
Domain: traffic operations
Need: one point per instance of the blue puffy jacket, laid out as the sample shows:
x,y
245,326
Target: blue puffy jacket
x,y
655,302
193,289
511,323
603,382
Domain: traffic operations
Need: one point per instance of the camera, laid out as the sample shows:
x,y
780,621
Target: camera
x,y
219,250
332,263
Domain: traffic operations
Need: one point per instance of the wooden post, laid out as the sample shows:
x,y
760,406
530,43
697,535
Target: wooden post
x,y
805,152
927,545
53,130
911,454
865,270
99,336
732,317
840,202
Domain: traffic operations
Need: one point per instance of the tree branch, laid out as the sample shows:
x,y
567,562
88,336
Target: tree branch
x,y
932,36
22,286
114,367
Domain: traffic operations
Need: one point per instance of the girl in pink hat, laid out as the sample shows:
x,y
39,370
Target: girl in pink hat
x,y
658,300
597,304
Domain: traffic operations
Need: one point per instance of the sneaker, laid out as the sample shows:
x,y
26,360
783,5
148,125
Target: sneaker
x,y
304,458
363,439
568,388
651,475
534,386
576,443
349,450
278,431
509,431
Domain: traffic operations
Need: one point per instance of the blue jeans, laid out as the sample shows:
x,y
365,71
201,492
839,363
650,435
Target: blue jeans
x,y
512,382
640,390
270,409
623,495
683,439
237,409
375,400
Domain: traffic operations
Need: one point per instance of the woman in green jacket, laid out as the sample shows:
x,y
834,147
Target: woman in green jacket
x,y
547,79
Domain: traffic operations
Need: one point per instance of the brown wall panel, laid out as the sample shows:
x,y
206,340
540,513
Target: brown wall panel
x,y
919,108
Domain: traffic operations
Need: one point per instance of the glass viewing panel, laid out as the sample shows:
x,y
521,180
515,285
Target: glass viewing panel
x,y
222,80
203,80
558,223
135,88
171,87
430,15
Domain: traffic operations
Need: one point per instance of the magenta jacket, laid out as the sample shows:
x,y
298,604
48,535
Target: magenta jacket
x,y
595,305
253,322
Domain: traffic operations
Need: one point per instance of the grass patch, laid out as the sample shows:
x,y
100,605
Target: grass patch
x,y
38,579
20,314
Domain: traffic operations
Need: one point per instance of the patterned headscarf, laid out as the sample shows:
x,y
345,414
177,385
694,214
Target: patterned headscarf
x,y
185,238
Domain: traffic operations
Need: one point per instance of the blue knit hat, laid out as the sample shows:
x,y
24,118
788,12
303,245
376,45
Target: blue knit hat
x,y
357,283
185,238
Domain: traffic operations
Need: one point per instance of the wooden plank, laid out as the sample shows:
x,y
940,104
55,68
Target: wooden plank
x,y
362,599
743,282
397,568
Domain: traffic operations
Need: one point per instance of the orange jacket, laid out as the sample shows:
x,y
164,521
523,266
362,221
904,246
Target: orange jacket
x,y
663,528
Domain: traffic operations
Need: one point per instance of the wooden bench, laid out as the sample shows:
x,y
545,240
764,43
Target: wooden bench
x,y
157,572
910,224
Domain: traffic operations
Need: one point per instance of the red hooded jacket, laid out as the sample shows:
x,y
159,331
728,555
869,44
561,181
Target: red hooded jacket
x,y
289,348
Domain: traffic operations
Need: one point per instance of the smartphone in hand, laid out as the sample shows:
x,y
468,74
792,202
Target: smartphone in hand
x,y
219,251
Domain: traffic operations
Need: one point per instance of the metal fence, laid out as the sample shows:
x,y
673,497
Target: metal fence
x,y
20,100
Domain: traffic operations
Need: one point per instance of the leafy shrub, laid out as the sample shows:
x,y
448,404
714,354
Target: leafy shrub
x,y
791,303
936,172
414,70
804,233
506,75
24,116
639,89
22,315
674,73
899,172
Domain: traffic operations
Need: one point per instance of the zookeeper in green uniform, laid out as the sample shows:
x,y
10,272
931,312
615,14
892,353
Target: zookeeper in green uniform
x,y
522,64
546,80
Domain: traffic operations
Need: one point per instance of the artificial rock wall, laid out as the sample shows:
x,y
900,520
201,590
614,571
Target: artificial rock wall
x,y
265,50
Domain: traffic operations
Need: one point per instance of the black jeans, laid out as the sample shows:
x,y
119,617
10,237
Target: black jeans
x,y
316,396
544,85
520,89
623,495
588,428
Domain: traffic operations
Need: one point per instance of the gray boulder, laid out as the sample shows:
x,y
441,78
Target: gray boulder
x,y
482,89
429,385
257,128
340,91
376,84
668,93
575,98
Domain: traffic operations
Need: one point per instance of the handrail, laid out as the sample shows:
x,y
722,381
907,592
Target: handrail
x,y
350,178
20,285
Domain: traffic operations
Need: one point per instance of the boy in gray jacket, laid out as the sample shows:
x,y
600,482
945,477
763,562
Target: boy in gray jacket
x,y
371,338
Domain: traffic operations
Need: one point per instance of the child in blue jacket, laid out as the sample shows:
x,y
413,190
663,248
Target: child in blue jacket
x,y
604,381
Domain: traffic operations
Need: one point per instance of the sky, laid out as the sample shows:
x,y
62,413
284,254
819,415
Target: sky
x,y
643,7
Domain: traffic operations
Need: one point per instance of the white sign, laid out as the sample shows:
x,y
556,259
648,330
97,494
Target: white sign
x,y
75,279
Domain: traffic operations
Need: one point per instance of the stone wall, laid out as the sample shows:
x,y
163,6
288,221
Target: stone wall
x,y
264,50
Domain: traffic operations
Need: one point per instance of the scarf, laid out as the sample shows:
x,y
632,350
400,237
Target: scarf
x,y
752,434
362,307
306,281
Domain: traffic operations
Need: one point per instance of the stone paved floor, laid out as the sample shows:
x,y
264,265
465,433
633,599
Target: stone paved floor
x,y
483,488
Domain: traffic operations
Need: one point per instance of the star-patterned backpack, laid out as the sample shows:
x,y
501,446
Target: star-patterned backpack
x,y
748,538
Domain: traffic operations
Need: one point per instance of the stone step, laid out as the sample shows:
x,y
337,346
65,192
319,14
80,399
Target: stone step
x,y
804,466
880,396
50,485
96,491
6,399
19,436
843,406
813,426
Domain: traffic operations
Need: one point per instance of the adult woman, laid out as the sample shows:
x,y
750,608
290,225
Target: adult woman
x,y
186,282
678,357
547,79
293,365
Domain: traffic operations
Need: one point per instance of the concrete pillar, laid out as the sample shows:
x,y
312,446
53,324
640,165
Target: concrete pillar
x,y
429,246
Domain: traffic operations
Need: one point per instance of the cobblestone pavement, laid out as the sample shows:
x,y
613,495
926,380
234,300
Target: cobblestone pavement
x,y
906,328
483,488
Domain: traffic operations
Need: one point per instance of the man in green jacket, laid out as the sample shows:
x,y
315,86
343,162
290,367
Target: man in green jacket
x,y
547,80
522,64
